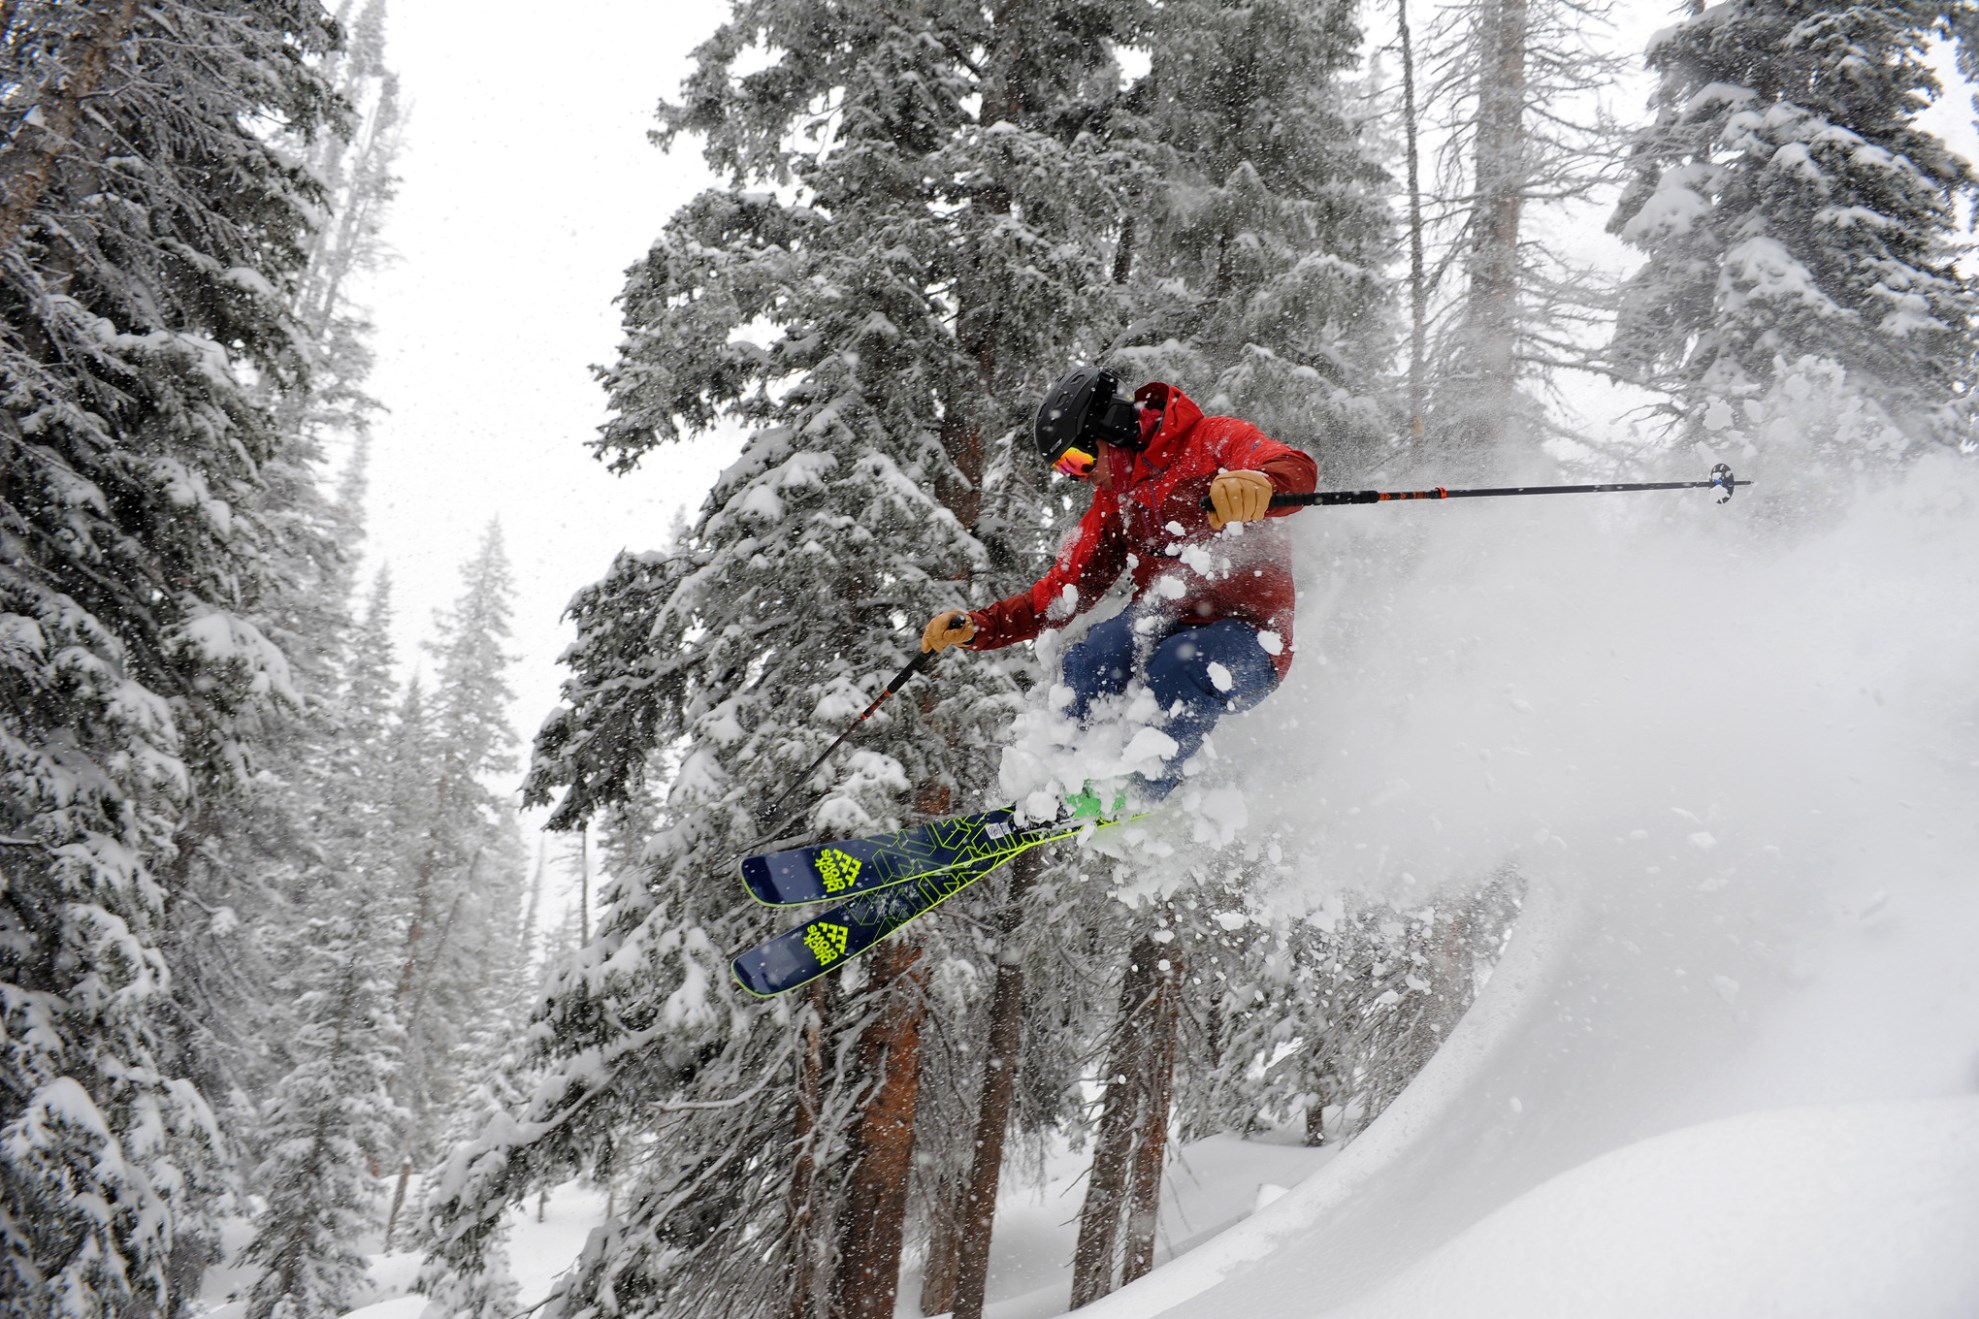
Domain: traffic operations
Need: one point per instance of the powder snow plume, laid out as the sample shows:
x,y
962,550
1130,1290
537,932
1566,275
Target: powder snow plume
x,y
1734,752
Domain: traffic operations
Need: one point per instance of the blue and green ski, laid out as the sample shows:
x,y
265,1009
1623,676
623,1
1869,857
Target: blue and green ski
x,y
823,872
834,937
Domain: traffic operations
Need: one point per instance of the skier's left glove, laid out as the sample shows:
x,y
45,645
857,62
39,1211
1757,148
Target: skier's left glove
x,y
1238,497
951,627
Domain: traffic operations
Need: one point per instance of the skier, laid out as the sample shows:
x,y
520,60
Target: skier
x,y
1178,499
1209,626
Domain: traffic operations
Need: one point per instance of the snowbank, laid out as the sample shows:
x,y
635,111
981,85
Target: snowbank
x,y
1844,1211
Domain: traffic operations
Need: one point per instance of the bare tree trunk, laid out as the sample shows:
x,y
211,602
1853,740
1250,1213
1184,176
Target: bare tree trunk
x,y
1123,255
533,911
1151,1149
415,932
422,902
416,1096
867,1279
1006,1033
1418,281
27,163
807,1251
584,884
1106,1183
939,1275
1493,313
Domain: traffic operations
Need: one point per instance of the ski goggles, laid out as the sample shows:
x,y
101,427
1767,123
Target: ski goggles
x,y
1074,462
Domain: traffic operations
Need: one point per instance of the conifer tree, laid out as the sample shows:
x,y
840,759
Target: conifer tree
x,y
150,232
1255,263
1259,257
310,1044
462,861
1792,208
331,1118
938,260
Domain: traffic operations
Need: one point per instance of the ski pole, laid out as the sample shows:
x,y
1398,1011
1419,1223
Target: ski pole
x,y
1721,479
767,816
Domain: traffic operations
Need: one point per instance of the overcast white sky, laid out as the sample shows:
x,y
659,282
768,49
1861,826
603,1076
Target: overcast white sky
x,y
528,188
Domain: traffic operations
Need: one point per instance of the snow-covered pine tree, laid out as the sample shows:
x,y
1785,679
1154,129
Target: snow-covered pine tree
x,y
1267,1017
1321,1019
1792,206
1407,976
330,1118
149,234
1515,87
919,218
286,989
272,855
1258,259
462,864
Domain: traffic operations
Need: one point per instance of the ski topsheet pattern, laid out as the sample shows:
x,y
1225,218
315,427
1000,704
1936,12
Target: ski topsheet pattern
x,y
824,871
836,936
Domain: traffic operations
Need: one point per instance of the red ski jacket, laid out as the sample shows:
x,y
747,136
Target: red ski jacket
x,y
1149,520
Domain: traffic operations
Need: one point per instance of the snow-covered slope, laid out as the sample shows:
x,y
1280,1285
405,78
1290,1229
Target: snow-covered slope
x,y
1730,1064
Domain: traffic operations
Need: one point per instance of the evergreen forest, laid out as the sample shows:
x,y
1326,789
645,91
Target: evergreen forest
x,y
288,985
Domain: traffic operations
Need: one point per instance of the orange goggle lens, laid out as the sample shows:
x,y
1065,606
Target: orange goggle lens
x,y
1075,462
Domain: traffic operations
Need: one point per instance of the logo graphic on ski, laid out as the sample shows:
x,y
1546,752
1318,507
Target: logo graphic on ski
x,y
824,871
827,941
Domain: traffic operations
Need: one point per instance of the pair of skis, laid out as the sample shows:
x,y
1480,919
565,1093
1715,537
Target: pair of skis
x,y
880,883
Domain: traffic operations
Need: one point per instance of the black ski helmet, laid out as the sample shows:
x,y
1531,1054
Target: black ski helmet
x,y
1085,409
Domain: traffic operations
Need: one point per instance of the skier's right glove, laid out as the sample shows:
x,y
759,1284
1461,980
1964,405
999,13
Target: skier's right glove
x,y
951,627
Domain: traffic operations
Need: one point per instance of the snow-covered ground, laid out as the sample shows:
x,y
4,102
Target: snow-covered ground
x,y
1210,1186
1729,1065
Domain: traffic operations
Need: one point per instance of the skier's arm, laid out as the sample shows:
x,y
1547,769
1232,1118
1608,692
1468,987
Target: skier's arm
x,y
1088,565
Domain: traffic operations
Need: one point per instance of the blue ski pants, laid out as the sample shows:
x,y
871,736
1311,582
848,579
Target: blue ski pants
x,y
1177,667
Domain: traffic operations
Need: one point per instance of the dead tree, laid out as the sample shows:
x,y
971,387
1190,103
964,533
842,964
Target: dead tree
x,y
1418,274
1517,89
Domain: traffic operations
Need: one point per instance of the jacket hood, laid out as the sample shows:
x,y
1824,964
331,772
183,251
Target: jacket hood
x,y
1179,414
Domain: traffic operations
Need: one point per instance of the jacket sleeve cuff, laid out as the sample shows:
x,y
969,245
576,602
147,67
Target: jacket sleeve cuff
x,y
1290,473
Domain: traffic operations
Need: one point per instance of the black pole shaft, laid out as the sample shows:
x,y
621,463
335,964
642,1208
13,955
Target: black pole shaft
x,y
1322,498
768,815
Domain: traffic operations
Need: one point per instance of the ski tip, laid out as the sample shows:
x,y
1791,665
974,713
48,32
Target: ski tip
x,y
756,878
777,966
752,975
